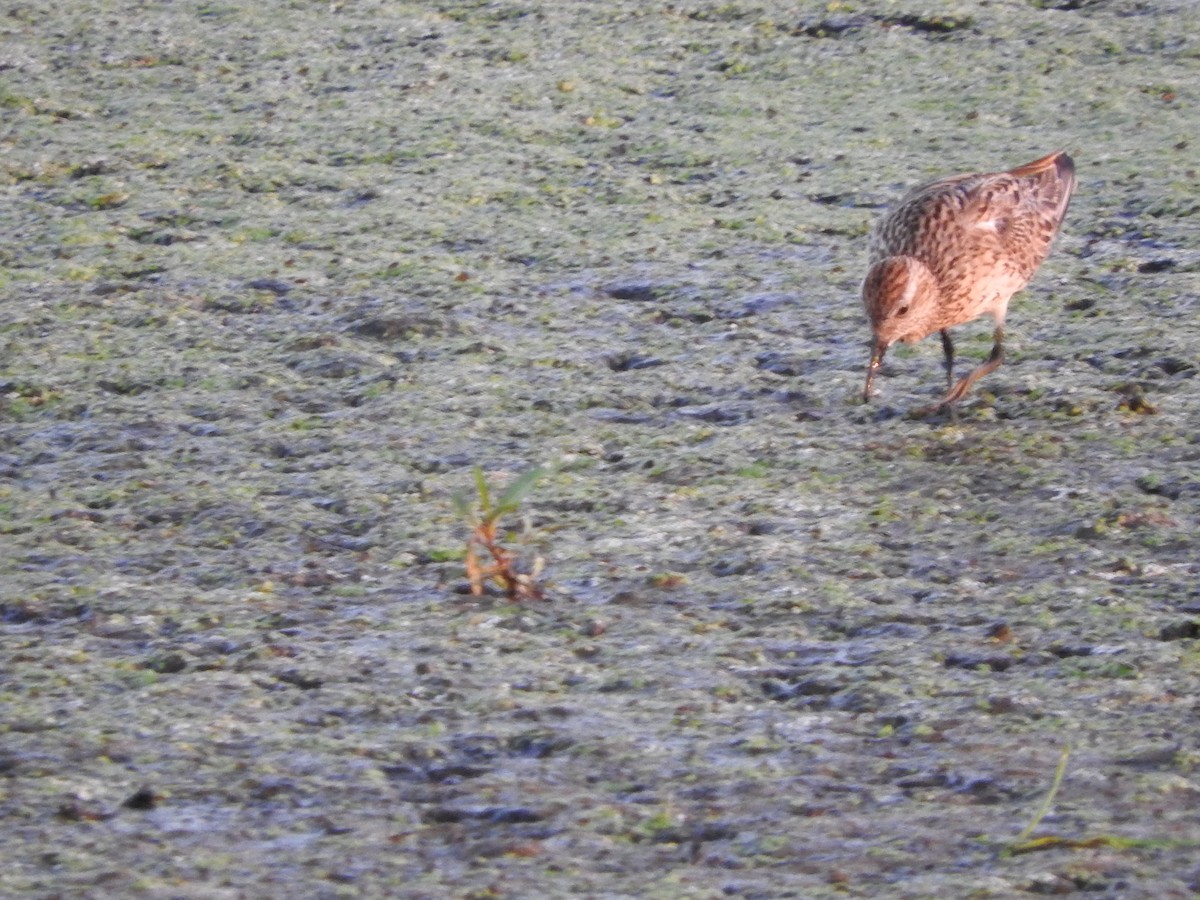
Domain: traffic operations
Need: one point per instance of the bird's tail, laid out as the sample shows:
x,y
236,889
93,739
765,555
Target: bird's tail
x,y
1055,175
1057,160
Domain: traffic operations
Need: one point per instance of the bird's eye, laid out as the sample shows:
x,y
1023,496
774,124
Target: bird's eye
x,y
902,311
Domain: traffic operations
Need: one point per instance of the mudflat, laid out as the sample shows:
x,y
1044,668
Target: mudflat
x,y
276,277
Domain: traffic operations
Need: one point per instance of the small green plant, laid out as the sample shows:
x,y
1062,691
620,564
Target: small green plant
x,y
1047,801
1026,843
483,515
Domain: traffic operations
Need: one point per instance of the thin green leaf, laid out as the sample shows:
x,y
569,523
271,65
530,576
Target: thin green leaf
x,y
520,487
481,486
1048,800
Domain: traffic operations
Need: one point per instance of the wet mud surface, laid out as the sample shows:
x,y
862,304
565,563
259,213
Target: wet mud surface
x,y
275,277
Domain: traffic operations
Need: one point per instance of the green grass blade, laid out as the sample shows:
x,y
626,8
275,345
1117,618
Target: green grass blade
x,y
1048,800
481,486
511,499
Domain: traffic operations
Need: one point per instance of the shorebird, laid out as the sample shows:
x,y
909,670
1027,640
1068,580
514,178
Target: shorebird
x,y
956,249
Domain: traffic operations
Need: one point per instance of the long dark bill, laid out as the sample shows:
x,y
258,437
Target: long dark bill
x,y
877,350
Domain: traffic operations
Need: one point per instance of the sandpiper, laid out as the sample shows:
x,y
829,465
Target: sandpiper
x,y
953,250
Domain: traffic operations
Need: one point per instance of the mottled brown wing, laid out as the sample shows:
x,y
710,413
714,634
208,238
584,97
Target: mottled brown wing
x,y
1021,209
1022,212
904,231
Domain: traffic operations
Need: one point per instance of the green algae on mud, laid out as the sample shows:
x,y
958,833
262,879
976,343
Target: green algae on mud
x,y
276,277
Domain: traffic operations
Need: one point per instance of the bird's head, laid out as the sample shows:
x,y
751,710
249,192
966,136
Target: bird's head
x,y
902,299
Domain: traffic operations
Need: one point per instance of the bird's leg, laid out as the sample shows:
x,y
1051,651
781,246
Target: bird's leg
x,y
992,363
877,350
948,349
